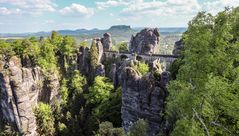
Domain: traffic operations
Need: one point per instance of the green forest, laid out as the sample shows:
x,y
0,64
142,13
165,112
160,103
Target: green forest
x,y
203,94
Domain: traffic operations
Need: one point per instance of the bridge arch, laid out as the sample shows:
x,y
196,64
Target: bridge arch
x,y
123,57
139,58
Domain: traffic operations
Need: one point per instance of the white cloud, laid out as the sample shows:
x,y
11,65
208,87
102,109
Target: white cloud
x,y
77,10
111,14
6,11
162,8
115,3
32,6
218,5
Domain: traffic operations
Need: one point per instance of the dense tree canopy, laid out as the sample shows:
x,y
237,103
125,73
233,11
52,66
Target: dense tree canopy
x,y
204,98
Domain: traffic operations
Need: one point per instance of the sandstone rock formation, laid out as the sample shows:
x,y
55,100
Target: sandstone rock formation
x,y
145,41
21,90
178,47
143,97
107,42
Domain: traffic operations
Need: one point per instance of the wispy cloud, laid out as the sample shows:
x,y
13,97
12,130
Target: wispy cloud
x,y
77,10
217,5
115,3
7,11
162,8
34,7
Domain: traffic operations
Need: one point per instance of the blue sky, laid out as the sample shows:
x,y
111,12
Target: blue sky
x,y
18,16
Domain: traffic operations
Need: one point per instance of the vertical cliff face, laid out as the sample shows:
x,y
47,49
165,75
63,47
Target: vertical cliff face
x,y
143,97
21,90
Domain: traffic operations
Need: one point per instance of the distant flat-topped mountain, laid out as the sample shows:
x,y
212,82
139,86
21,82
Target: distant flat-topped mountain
x,y
120,27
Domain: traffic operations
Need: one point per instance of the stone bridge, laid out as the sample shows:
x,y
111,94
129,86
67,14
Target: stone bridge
x,y
168,59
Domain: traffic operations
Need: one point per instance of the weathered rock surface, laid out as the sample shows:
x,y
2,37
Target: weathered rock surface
x,y
21,89
143,97
145,41
178,47
107,42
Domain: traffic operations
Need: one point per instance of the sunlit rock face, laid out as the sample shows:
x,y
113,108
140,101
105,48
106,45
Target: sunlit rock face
x,y
143,97
21,89
145,41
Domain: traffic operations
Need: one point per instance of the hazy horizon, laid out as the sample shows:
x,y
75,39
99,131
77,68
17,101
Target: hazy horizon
x,y
74,29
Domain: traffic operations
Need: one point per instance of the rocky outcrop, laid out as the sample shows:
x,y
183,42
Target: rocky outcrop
x,y
178,47
143,97
107,42
21,90
145,41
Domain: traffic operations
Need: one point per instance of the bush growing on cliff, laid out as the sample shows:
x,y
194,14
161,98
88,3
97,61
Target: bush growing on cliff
x,y
44,120
141,67
123,46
